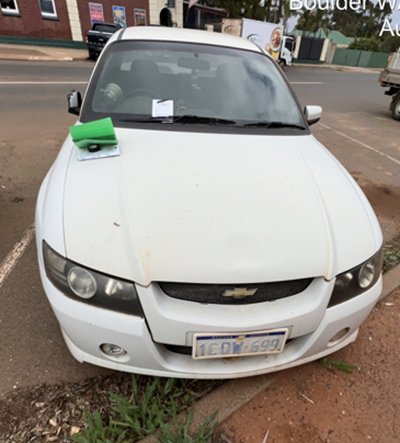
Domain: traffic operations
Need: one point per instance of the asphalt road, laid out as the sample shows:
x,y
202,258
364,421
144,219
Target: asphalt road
x,y
33,125
358,129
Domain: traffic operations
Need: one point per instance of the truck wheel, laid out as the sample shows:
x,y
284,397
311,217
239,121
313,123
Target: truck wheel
x,y
396,108
93,55
282,64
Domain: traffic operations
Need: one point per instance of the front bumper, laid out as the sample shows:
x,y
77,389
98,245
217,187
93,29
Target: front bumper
x,y
86,328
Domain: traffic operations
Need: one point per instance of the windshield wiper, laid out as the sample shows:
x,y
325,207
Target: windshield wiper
x,y
203,120
273,125
195,119
144,120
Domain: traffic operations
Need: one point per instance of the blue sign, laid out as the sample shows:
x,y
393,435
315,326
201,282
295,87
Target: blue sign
x,y
119,15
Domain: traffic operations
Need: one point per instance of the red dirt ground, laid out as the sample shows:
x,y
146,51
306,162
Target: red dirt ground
x,y
312,403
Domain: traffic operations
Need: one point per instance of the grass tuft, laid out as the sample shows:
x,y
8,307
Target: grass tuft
x,y
17,199
345,367
179,433
391,257
144,412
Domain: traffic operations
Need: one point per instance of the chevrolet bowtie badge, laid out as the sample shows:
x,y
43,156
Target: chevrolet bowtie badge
x,y
239,292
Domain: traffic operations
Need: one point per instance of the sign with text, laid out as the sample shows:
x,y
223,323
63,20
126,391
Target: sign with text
x,y
119,15
140,17
96,12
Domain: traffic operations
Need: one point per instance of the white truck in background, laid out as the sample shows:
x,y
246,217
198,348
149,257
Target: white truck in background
x,y
390,78
269,36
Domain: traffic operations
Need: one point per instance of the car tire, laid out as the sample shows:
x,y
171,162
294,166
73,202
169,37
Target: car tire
x,y
282,64
396,107
93,55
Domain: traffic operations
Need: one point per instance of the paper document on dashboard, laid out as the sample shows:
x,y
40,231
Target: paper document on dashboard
x,y
162,108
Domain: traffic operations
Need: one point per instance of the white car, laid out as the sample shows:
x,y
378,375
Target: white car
x,y
224,241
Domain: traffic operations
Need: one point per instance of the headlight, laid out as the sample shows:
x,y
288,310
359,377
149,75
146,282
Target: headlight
x,y
89,286
357,280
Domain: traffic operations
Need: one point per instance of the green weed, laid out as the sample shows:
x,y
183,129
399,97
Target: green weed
x,y
179,433
142,414
345,367
391,258
17,199
96,432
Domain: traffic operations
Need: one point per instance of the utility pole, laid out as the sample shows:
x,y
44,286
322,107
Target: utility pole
x,y
279,15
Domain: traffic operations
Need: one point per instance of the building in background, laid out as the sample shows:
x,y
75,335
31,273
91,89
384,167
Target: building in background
x,y
65,22
202,17
35,18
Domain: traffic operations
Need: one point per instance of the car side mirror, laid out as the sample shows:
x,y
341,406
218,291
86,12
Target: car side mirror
x,y
74,102
313,114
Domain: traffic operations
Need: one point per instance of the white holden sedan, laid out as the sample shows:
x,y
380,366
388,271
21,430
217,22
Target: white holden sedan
x,y
220,239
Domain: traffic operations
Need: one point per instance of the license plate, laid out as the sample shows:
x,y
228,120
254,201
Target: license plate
x,y
271,341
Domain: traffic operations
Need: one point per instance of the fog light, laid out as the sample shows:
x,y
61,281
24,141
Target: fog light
x,y
113,350
338,336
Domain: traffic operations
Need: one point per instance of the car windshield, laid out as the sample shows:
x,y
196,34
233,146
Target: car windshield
x,y
140,81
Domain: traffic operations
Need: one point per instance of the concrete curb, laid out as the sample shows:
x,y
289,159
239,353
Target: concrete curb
x,y
30,58
339,68
391,281
234,394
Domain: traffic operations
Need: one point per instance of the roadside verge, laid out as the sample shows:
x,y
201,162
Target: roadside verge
x,y
41,53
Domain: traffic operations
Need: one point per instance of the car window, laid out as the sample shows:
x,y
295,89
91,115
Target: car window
x,y
105,28
289,43
200,80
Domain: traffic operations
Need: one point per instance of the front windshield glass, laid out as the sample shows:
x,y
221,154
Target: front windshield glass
x,y
207,83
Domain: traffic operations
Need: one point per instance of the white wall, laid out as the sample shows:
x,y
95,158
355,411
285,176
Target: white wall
x,y
156,6
325,50
74,21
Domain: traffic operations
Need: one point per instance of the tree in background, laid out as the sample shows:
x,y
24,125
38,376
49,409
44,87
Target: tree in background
x,y
345,22
390,44
322,20
253,9
361,23
312,21
286,14
306,20
371,19
371,44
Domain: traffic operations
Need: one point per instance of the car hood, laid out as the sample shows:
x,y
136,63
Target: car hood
x,y
215,208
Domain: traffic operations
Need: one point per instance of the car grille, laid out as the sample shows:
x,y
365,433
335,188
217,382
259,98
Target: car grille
x,y
240,294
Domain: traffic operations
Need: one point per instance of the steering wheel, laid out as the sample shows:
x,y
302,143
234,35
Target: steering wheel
x,y
141,92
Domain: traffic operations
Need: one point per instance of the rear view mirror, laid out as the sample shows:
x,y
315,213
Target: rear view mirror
x,y
193,63
74,102
313,114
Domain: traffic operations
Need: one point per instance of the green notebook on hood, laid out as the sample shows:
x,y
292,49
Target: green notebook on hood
x,y
99,132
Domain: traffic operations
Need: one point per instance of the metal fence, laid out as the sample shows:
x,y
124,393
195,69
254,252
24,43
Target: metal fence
x,y
363,59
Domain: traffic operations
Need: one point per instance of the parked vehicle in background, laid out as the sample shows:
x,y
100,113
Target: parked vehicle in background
x,y
268,36
98,36
286,52
390,78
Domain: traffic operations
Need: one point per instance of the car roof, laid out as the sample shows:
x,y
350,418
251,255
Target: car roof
x,y
186,35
